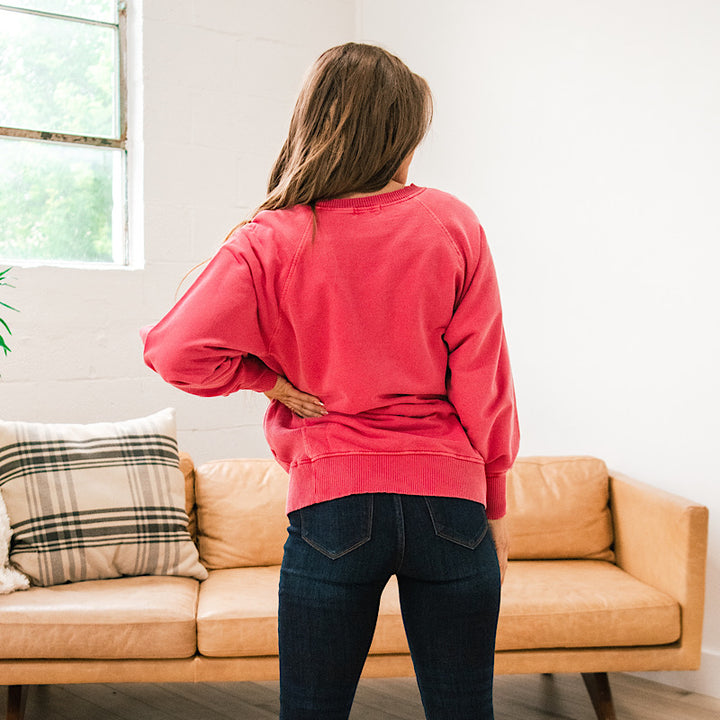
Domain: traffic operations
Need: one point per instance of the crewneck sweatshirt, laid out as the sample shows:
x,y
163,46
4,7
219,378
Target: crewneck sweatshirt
x,y
385,307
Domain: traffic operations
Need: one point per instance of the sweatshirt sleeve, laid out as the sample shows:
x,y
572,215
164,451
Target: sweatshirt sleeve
x,y
479,382
210,341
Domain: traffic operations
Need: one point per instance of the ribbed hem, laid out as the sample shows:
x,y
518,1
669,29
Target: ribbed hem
x,y
371,201
334,476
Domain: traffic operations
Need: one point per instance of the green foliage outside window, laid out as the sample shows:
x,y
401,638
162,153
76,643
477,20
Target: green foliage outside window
x,y
60,200
56,202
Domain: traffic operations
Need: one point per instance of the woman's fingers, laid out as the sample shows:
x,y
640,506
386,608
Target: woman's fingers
x,y
306,406
302,404
501,538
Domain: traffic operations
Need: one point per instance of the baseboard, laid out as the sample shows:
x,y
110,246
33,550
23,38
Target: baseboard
x,y
703,681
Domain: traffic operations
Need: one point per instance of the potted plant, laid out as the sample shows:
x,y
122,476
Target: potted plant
x,y
4,328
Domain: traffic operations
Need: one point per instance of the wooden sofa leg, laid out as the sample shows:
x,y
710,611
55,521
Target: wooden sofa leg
x,y
17,697
598,687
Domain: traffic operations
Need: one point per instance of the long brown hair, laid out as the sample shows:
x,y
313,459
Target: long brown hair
x,y
359,114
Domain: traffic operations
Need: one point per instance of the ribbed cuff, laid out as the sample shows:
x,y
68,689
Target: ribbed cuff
x,y
266,381
496,505
254,375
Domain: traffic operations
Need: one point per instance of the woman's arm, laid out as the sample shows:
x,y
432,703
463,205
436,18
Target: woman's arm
x,y
480,385
211,341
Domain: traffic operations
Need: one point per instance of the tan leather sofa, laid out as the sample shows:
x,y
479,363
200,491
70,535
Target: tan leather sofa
x,y
606,574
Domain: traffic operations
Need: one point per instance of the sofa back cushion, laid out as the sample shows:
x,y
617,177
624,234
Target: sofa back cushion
x,y
558,508
241,519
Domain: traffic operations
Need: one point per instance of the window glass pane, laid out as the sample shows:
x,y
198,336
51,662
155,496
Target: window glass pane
x,y
60,202
57,75
103,10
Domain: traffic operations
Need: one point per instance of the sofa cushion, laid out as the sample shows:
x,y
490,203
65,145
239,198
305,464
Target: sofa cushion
x,y
558,508
241,513
582,603
133,617
237,612
237,615
88,502
545,604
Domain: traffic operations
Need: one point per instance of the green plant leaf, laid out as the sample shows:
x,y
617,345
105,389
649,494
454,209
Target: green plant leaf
x,y
3,345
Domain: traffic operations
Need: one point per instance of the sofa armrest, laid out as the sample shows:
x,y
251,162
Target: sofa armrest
x,y
187,468
661,539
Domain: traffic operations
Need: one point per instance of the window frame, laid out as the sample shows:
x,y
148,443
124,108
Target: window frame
x,y
118,142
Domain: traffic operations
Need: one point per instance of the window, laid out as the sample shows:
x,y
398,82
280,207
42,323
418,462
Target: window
x,y
63,131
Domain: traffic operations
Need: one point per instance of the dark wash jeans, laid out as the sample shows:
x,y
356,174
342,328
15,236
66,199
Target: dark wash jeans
x,y
338,557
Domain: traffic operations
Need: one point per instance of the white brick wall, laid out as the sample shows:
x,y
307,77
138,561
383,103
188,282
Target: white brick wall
x,y
216,87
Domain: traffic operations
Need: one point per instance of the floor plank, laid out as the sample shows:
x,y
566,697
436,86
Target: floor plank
x,y
218,703
64,701
387,699
517,697
633,696
260,695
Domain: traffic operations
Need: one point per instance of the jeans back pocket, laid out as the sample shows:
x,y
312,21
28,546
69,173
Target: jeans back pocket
x,y
458,520
336,527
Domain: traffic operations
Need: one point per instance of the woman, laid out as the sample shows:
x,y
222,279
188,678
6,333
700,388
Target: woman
x,y
368,311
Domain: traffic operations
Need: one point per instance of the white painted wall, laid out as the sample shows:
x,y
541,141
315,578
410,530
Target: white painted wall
x,y
585,135
212,85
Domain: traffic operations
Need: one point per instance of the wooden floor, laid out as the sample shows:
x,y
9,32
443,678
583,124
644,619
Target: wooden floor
x,y
517,697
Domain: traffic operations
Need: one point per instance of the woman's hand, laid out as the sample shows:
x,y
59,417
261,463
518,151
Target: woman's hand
x,y
302,404
500,537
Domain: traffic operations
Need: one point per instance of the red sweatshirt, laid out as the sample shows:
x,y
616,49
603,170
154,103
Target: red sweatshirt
x,y
390,314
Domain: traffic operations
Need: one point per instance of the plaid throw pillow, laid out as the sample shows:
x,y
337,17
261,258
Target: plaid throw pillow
x,y
96,501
